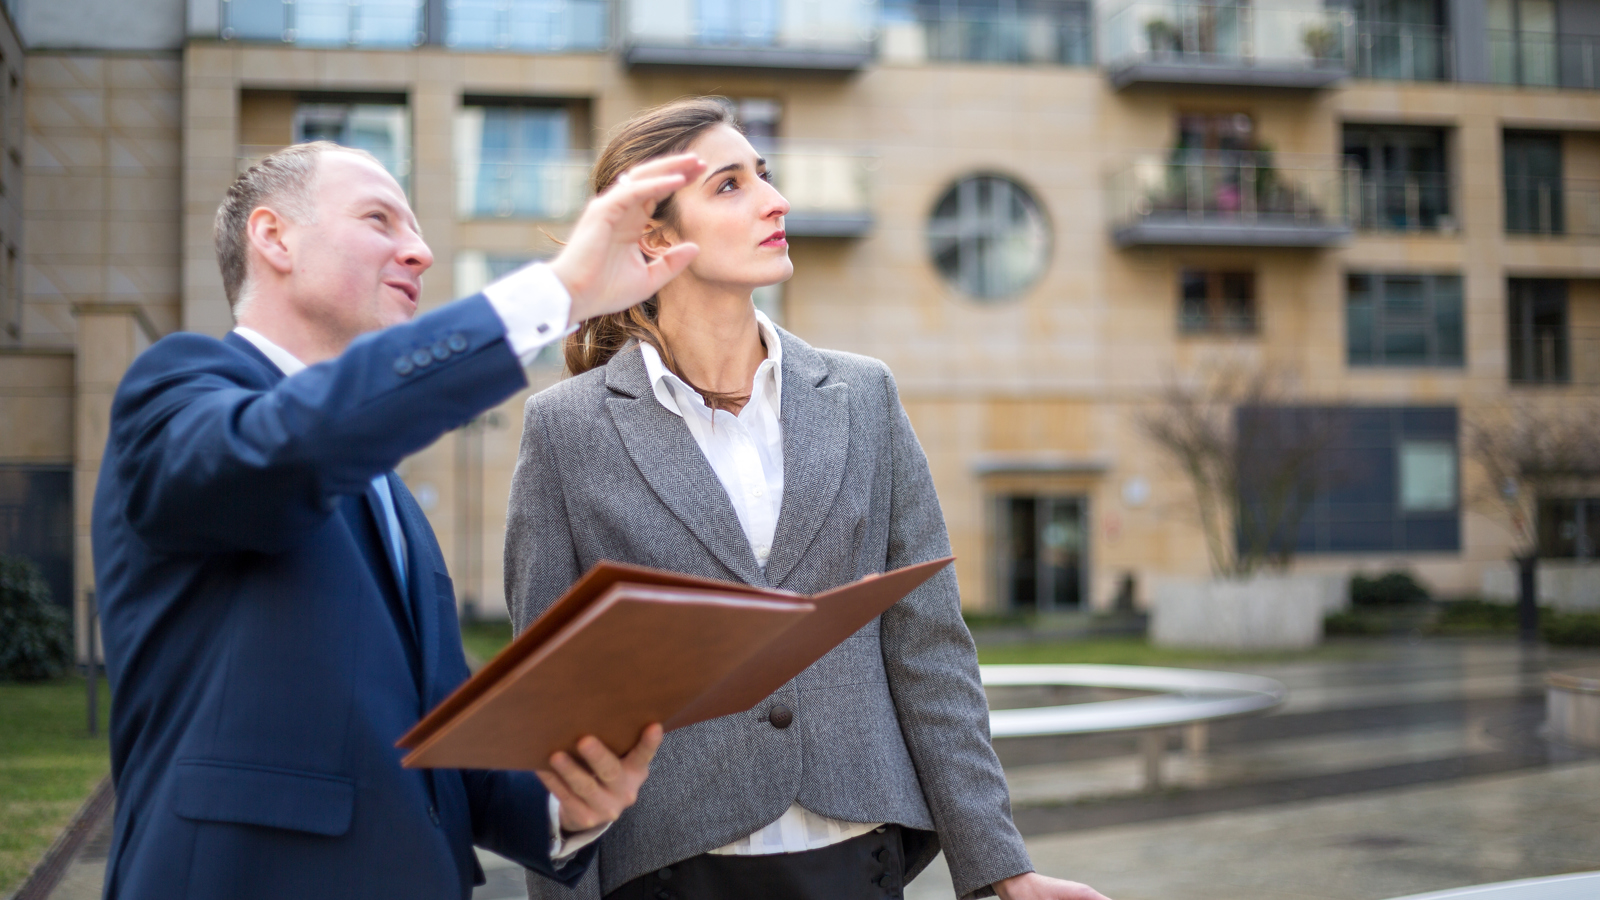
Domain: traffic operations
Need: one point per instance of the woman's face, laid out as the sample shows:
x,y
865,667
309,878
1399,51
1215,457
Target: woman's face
x,y
733,213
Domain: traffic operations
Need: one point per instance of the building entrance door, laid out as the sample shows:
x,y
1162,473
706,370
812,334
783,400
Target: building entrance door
x,y
1042,550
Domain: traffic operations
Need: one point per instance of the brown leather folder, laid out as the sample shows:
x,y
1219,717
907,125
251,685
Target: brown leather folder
x,y
629,645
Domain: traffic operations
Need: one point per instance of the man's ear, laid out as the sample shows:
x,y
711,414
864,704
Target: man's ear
x,y
266,233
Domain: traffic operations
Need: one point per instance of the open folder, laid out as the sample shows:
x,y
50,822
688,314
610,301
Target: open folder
x,y
629,645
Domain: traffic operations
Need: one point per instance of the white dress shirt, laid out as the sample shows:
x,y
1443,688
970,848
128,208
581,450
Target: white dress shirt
x,y
535,306
746,453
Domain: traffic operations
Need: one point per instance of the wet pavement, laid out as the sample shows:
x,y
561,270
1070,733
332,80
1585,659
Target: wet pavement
x,y
1413,767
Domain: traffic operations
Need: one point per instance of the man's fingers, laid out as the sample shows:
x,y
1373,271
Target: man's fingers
x,y
639,757
602,762
687,165
639,192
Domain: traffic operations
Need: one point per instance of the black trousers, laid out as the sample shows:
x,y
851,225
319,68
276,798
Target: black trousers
x,y
871,866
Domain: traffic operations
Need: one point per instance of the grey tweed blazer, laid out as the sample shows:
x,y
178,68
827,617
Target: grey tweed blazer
x,y
891,726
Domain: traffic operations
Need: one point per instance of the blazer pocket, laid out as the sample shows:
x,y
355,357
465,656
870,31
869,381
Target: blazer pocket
x,y
214,791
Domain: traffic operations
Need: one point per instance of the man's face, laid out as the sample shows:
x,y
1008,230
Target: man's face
x,y
358,263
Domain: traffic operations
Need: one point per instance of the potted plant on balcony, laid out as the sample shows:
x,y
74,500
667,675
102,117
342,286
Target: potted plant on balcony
x,y
1321,42
1162,36
1253,462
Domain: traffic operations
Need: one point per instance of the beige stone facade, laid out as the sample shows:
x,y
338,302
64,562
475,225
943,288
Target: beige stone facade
x,y
128,157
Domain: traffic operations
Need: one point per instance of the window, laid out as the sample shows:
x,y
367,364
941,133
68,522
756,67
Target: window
x,y
475,270
1375,480
536,26
515,161
988,237
1402,40
1533,183
1217,302
36,522
1002,31
1569,528
1522,42
1404,320
1404,177
332,23
1042,545
1537,328
382,129
745,23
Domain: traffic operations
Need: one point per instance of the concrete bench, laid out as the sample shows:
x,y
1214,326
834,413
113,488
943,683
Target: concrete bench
x,y
1582,886
1186,698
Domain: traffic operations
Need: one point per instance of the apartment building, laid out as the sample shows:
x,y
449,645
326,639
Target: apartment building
x,y
1040,213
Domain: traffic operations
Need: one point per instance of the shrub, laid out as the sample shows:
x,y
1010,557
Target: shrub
x,y
1571,629
1352,624
1474,616
35,633
1389,589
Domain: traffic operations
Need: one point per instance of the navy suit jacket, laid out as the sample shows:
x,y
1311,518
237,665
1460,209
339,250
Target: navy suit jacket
x,y
263,658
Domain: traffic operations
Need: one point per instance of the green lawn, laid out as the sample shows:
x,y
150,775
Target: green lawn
x,y
48,766
483,640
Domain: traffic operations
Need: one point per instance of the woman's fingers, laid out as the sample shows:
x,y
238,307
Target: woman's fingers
x,y
665,268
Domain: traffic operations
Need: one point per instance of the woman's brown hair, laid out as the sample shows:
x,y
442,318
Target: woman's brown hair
x,y
657,132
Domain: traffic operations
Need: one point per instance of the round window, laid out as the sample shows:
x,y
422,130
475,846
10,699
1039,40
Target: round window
x,y
988,237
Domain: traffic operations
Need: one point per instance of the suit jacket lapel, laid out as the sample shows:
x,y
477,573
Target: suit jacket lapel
x,y
671,462
421,602
816,449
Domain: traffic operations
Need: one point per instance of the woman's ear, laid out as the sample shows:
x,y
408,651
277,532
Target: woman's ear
x,y
655,241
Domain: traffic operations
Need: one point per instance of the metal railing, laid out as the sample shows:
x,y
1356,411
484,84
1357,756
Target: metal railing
x,y
1417,201
1001,38
325,23
820,179
540,26
1545,60
1540,354
1392,52
1227,34
1553,206
750,24
1260,188
554,188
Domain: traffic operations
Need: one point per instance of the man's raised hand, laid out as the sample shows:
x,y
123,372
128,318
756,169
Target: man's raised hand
x,y
601,265
596,791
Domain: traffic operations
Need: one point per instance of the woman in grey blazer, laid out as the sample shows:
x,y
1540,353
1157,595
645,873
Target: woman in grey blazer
x,y
698,437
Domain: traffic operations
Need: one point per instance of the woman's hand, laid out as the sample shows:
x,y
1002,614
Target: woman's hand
x,y
601,265
596,793
1033,886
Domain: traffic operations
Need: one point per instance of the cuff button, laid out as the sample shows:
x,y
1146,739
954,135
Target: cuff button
x,y
543,327
440,351
422,357
457,343
403,366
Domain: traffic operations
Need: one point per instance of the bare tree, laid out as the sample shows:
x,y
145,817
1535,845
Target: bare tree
x,y
1530,452
1254,459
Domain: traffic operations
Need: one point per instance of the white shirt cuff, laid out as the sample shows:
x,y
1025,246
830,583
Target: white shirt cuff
x,y
535,306
564,848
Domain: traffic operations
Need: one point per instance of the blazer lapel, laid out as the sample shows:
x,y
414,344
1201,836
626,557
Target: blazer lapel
x,y
665,453
420,601
816,449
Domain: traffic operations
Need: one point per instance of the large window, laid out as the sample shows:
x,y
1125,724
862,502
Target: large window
x,y
1404,182
1522,42
1041,544
1533,183
527,25
1404,40
1378,480
382,129
1213,302
988,237
515,160
36,522
1569,528
1537,328
1404,320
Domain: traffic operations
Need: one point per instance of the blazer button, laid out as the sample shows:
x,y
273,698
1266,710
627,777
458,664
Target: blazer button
x,y
440,351
403,366
780,716
422,357
433,814
457,343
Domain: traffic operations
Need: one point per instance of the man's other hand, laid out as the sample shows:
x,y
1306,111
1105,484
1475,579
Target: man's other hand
x,y
1033,886
597,790
602,266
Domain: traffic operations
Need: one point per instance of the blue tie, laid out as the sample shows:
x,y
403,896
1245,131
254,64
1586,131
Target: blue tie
x,y
397,543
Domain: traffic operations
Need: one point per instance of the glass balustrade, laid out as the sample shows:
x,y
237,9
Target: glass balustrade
x,y
1234,198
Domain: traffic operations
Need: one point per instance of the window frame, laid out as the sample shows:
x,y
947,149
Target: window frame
x,y
975,252
1384,324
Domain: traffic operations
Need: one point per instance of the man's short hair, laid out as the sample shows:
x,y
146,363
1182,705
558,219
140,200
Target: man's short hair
x,y
281,181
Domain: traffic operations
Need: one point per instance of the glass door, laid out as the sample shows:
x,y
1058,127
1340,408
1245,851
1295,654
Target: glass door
x,y
1042,552
1533,183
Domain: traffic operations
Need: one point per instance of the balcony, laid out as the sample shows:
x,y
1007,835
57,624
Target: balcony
x,y
551,189
1234,200
1390,52
325,23
1553,207
1545,60
1414,201
828,190
1017,38
528,26
1239,45
814,36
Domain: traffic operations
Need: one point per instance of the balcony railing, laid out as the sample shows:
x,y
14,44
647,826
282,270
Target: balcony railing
x,y
551,189
1417,201
829,190
1001,38
1553,356
1237,200
799,35
1545,60
1386,52
1226,44
1553,206
397,161
530,26
325,23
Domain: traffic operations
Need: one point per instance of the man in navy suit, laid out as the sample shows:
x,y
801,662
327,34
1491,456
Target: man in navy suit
x,y
276,610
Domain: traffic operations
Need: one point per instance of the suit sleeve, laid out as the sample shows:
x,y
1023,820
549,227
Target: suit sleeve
x,y
540,560
216,463
932,667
